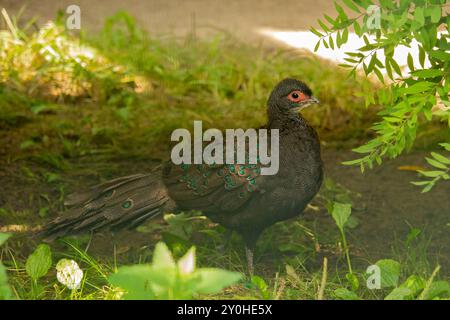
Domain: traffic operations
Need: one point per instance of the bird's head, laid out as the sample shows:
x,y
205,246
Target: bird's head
x,y
290,96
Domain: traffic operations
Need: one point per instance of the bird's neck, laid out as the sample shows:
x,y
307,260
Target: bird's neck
x,y
282,120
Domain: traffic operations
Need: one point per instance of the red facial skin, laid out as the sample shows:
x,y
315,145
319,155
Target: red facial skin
x,y
297,96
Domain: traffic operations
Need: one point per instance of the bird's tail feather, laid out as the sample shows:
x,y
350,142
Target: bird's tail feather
x,y
116,204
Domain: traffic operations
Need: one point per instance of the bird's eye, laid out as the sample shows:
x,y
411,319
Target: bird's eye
x,y
296,96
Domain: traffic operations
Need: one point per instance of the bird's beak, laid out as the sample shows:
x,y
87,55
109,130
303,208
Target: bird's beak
x,y
313,100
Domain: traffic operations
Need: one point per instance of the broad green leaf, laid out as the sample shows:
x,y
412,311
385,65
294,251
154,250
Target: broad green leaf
x,y
438,289
345,294
341,212
4,237
214,280
446,146
419,16
135,281
434,11
390,272
415,284
5,290
353,280
399,294
162,257
39,262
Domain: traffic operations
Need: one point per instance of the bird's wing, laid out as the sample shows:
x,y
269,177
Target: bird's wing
x,y
212,188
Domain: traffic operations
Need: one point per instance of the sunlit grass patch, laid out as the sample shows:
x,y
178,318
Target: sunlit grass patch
x,y
52,65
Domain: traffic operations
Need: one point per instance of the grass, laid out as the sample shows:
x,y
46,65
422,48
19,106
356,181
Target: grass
x,y
107,108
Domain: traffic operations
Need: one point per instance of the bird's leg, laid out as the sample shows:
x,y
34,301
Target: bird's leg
x,y
249,255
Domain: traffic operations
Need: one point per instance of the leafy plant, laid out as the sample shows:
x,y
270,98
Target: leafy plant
x,y
52,65
407,99
262,287
439,162
37,266
413,288
166,279
5,291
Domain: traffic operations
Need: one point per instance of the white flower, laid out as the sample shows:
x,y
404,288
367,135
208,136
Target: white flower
x,y
69,273
186,264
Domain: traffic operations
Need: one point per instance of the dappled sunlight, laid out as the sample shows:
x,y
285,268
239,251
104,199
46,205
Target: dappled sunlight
x,y
307,40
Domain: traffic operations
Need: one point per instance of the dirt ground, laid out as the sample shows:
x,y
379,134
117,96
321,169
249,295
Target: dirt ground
x,y
241,17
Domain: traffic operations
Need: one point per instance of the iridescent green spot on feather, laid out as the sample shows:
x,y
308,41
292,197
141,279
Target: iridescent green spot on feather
x,y
109,194
127,204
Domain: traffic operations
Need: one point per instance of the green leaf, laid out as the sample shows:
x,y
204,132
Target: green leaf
x,y
317,46
395,66
431,174
421,56
323,25
446,146
345,36
428,73
317,33
379,75
440,55
389,271
419,16
399,294
345,294
420,183
331,43
214,280
436,164
351,5
39,262
438,289
162,257
418,87
371,63
4,237
415,284
5,290
410,62
340,213
434,12
135,280
352,280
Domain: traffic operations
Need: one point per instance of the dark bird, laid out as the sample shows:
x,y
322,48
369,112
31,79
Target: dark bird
x,y
236,196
